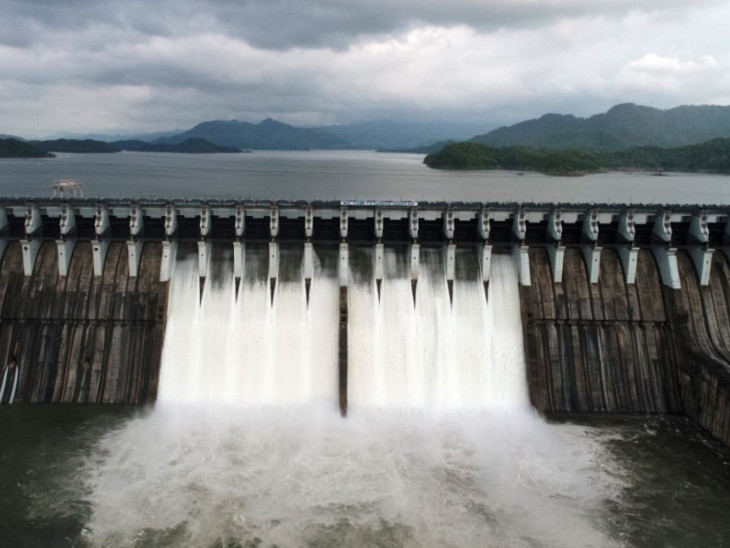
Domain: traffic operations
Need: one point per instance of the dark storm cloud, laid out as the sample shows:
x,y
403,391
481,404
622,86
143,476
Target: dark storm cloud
x,y
284,24
107,65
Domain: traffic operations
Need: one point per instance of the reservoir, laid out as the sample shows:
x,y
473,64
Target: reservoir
x,y
337,175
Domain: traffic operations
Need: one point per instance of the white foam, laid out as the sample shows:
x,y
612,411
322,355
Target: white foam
x,y
301,477
440,447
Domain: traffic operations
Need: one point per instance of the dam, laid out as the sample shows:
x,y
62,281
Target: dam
x,y
623,309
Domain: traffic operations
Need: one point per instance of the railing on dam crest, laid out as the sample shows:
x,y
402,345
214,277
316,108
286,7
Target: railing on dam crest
x,y
700,230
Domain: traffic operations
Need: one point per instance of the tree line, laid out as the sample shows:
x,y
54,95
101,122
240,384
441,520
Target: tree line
x,y
712,156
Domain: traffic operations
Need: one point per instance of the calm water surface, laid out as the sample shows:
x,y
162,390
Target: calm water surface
x,y
338,175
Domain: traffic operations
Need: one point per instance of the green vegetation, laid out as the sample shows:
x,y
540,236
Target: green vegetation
x,y
712,156
13,148
469,155
463,156
75,145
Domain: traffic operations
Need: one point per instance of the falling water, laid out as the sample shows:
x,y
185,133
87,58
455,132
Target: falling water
x,y
436,354
246,447
250,349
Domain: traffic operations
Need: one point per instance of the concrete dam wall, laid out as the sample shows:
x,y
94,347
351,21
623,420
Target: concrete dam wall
x,y
612,347
602,347
624,309
81,338
701,328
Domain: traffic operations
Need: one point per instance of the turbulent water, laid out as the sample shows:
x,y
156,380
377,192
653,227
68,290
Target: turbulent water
x,y
104,476
246,448
440,447
380,478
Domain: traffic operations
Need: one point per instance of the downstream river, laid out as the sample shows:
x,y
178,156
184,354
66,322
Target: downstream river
x,y
110,476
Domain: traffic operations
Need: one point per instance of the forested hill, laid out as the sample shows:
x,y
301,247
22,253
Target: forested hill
x,y
81,146
14,148
623,126
90,146
712,156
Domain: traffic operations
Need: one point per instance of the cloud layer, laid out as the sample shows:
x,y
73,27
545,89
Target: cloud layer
x,y
132,65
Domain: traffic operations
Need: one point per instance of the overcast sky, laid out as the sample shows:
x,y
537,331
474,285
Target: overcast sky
x,y
114,66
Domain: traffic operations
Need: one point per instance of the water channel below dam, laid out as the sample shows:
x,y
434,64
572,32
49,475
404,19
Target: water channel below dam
x,y
302,476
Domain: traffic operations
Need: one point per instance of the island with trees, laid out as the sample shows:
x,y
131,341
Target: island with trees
x,y
15,148
709,157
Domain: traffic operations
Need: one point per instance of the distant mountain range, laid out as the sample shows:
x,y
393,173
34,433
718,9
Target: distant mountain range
x,y
268,134
274,135
392,135
147,137
271,134
623,126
